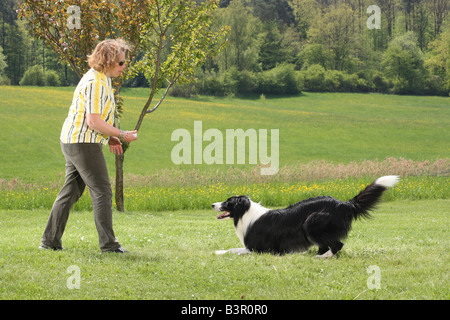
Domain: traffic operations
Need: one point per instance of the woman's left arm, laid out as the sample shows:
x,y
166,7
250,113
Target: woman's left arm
x,y
95,122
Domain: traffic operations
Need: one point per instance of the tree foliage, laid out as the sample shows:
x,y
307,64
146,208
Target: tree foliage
x,y
264,34
403,62
176,38
99,20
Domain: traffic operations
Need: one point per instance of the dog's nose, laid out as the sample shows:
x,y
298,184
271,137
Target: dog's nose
x,y
212,206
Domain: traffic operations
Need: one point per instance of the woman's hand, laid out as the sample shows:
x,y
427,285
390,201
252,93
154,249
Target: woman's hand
x,y
129,136
115,146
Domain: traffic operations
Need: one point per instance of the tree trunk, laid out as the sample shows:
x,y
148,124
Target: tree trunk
x,y
119,182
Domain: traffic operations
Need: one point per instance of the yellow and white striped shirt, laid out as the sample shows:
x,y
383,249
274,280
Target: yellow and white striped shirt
x,y
94,94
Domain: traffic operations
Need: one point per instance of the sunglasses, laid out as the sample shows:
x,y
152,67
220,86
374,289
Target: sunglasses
x,y
121,63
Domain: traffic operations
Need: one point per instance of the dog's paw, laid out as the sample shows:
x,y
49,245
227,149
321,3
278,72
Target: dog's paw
x,y
219,252
326,255
240,251
237,251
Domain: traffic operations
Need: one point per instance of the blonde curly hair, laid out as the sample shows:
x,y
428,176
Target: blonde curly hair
x,y
105,55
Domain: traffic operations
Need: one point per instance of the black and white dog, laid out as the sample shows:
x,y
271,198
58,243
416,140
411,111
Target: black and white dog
x,y
322,221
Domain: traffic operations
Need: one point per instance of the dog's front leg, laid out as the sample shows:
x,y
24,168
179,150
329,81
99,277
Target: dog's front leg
x,y
237,251
240,251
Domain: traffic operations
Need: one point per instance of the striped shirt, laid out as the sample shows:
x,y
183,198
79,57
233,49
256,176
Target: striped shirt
x,y
94,94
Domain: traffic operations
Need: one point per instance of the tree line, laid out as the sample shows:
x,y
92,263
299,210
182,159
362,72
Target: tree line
x,y
284,47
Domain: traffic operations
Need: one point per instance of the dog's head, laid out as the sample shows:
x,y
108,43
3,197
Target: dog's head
x,y
234,208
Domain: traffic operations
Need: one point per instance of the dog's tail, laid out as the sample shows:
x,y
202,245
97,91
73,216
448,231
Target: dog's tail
x,y
369,197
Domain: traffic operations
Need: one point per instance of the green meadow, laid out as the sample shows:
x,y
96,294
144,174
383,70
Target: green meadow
x,y
324,140
329,143
335,127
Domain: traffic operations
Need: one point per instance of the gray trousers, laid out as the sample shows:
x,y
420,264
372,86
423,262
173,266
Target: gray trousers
x,y
85,165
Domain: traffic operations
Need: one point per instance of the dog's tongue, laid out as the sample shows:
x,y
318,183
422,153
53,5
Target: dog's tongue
x,y
223,215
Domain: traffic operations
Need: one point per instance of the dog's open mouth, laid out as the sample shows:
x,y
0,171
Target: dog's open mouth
x,y
225,215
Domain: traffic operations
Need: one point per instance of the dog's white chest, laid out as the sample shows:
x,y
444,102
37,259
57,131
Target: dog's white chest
x,y
241,228
253,214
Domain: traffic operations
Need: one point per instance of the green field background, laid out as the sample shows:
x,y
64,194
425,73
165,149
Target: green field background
x,y
335,127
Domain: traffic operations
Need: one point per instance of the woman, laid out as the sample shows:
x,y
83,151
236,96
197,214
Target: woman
x,y
88,126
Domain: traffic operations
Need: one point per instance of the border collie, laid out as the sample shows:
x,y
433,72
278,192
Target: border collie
x,y
323,221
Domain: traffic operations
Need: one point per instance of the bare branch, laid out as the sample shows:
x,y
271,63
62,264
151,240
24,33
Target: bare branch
x,y
164,95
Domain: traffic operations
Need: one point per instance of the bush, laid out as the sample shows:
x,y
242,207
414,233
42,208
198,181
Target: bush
x,y
35,76
286,79
230,81
4,80
52,78
317,79
436,86
279,80
314,79
248,82
211,85
184,90
380,83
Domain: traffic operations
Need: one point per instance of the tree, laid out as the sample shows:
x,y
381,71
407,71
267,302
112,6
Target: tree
x,y
388,8
440,9
305,12
316,54
3,65
7,15
438,61
404,63
176,39
273,10
335,29
270,50
243,39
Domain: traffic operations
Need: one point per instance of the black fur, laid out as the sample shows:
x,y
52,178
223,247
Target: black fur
x,y
323,221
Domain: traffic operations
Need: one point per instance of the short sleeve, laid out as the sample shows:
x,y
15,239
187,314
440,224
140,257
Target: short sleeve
x,y
93,95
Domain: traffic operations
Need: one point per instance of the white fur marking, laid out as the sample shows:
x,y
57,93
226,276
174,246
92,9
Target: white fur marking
x,y
217,206
238,251
387,181
254,213
221,251
327,254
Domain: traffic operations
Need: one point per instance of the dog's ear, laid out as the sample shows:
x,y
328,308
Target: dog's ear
x,y
242,200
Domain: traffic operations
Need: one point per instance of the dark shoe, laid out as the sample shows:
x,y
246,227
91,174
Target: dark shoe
x,y
44,247
119,250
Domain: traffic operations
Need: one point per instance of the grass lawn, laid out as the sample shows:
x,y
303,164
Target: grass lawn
x,y
172,257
